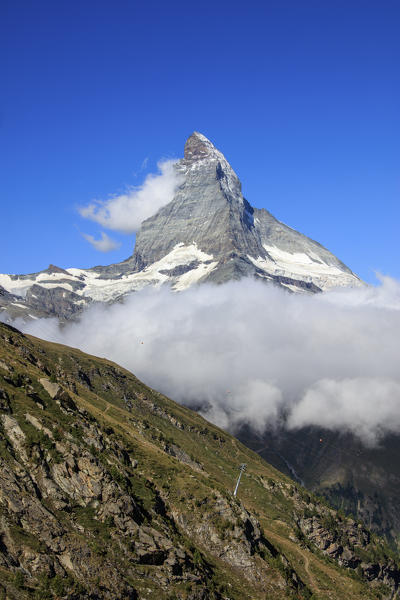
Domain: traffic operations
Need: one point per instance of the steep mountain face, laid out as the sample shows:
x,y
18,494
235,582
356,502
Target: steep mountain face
x,y
208,232
110,490
209,216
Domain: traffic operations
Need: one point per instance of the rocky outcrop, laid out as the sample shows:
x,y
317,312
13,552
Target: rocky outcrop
x,y
348,543
56,301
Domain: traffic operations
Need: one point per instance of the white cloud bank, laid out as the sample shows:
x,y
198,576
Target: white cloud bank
x,y
369,405
104,244
252,353
126,212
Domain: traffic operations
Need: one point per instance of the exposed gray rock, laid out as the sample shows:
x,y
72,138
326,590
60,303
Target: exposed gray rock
x,y
56,301
4,400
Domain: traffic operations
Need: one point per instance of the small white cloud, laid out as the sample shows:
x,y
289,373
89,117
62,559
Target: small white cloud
x,y
104,244
127,211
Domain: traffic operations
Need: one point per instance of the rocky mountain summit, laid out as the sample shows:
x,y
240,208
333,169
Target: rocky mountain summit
x,y
109,490
207,233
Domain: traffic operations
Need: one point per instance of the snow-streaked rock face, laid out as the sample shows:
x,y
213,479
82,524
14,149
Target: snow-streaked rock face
x,y
208,232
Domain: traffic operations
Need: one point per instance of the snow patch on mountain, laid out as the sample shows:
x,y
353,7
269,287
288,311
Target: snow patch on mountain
x,y
20,284
301,266
93,285
106,290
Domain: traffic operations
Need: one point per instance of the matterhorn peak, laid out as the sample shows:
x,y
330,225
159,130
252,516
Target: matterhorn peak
x,y
208,232
200,155
198,147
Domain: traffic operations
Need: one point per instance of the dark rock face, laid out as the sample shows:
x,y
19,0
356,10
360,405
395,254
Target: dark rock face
x,y
7,299
208,232
346,541
57,301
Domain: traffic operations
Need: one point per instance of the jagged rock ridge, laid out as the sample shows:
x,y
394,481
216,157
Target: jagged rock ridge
x,y
208,232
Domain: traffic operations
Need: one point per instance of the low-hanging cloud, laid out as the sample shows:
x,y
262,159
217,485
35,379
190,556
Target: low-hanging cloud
x,y
252,353
104,244
373,404
126,212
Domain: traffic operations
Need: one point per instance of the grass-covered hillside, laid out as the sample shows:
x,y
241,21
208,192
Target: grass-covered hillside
x,y
109,490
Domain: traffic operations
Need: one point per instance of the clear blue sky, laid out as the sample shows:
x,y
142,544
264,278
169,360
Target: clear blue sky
x,y
302,96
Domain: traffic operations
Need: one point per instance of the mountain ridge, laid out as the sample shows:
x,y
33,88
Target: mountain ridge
x,y
208,232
